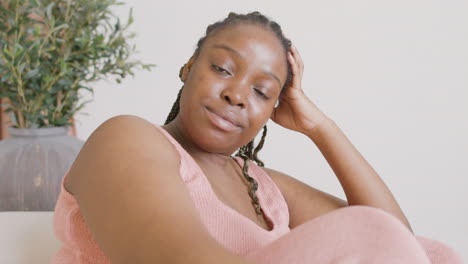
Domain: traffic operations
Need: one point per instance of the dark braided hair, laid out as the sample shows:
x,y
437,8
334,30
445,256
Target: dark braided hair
x,y
246,152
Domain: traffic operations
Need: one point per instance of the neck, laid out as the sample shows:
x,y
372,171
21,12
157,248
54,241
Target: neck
x,y
176,130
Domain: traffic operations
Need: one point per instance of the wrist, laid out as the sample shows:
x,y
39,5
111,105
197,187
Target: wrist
x,y
320,128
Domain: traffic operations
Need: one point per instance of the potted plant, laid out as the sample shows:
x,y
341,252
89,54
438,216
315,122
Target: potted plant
x,y
49,51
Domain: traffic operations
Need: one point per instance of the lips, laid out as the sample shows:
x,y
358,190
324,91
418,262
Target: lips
x,y
224,120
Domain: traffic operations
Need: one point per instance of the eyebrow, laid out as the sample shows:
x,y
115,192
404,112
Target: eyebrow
x,y
235,52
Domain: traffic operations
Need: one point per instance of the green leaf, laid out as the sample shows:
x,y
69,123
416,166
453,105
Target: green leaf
x,y
130,17
34,3
35,87
49,101
62,26
7,52
55,89
18,49
37,31
64,82
21,67
5,77
117,25
49,10
32,73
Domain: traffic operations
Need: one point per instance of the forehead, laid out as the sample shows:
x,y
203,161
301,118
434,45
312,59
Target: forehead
x,y
256,44
246,35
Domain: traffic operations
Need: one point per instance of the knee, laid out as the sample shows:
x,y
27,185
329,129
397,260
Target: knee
x,y
438,252
370,218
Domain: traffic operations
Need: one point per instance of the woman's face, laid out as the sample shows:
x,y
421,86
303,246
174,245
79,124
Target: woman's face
x,y
231,87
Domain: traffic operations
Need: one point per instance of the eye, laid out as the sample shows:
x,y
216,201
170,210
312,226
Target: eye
x,y
260,93
219,69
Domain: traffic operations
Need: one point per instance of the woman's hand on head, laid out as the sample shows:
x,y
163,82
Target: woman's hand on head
x,y
295,110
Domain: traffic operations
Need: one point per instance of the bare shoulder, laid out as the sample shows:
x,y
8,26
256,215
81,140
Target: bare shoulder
x,y
114,132
126,181
304,201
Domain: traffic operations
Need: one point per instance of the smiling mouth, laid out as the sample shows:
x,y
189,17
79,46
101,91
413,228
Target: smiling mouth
x,y
220,122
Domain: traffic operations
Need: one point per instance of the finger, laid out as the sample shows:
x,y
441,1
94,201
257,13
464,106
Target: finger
x,y
296,77
298,58
294,66
296,54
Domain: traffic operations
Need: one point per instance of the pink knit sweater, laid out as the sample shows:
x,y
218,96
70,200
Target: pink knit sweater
x,y
234,231
349,235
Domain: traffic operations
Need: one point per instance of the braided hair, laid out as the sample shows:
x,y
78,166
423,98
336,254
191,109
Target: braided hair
x,y
246,152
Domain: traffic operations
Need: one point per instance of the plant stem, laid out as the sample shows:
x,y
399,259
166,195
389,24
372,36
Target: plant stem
x,y
19,119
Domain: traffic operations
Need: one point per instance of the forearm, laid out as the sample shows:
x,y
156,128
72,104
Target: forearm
x,y
361,183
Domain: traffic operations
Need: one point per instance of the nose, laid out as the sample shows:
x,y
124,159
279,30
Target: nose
x,y
236,95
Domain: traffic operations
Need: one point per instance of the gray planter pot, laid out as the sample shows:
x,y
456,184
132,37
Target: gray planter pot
x,y
32,165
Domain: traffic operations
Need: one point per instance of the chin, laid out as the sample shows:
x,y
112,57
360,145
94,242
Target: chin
x,y
207,136
211,140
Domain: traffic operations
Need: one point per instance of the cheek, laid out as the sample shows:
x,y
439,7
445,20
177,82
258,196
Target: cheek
x,y
260,112
205,84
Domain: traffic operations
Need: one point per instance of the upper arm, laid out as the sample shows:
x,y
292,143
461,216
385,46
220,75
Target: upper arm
x,y
304,202
127,184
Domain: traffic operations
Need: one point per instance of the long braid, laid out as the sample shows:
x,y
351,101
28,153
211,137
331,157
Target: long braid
x,y
175,107
259,147
247,152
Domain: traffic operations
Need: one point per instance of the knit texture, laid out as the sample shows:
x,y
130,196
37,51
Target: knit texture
x,y
228,227
349,235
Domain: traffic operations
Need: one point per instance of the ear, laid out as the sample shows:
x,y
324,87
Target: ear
x,y
184,71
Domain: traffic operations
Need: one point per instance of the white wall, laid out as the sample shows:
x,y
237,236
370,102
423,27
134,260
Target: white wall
x,y
392,74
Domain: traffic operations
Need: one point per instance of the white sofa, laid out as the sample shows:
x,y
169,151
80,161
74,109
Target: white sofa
x,y
27,238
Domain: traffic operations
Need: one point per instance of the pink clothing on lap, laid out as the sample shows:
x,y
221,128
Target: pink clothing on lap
x,y
355,234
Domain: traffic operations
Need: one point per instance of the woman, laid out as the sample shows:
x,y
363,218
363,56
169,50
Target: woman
x,y
144,193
